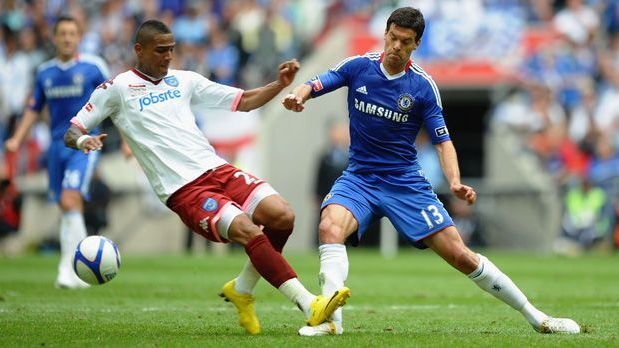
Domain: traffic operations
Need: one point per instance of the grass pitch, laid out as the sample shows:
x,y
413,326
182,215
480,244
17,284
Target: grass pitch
x,y
413,300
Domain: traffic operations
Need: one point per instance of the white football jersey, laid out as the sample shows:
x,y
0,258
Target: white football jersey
x,y
156,120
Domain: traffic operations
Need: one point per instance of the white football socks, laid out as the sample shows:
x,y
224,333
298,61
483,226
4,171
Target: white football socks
x,y
72,231
247,279
298,294
488,277
333,274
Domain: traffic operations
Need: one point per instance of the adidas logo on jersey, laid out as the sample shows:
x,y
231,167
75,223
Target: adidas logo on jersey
x,y
362,90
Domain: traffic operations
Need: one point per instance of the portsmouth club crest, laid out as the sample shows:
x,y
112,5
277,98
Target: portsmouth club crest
x,y
405,102
171,81
210,204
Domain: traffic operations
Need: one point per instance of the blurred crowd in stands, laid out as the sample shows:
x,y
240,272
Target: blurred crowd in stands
x,y
563,56
565,106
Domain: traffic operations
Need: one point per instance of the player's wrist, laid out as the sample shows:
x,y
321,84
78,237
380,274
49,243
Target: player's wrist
x,y
80,141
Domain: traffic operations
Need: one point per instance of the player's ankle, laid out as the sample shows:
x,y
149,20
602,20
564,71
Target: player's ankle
x,y
534,316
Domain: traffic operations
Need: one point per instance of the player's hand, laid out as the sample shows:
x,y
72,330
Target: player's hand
x,y
464,192
293,102
287,72
93,143
11,144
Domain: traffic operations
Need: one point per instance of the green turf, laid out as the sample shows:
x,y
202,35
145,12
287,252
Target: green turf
x,y
413,300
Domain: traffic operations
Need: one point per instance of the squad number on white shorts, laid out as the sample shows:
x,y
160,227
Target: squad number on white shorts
x,y
96,260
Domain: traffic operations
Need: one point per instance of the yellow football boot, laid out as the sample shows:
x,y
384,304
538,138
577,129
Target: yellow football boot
x,y
322,307
244,304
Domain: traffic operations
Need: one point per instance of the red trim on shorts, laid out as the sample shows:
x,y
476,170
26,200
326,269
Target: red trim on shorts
x,y
214,221
237,100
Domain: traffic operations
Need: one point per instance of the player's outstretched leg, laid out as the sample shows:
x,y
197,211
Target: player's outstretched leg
x,y
448,244
488,277
244,303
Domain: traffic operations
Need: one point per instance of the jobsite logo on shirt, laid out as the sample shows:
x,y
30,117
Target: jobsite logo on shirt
x,y
153,98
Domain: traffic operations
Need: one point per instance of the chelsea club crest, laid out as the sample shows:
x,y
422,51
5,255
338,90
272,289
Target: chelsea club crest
x,y
405,102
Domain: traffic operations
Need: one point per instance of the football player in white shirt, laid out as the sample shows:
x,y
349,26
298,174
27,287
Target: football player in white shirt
x,y
150,104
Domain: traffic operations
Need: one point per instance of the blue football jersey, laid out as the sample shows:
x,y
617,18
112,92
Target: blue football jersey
x,y
386,112
65,88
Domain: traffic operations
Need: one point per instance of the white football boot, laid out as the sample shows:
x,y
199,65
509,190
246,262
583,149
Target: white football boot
x,y
67,279
324,329
558,325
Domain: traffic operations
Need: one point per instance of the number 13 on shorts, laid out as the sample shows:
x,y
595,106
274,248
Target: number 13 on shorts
x,y
432,216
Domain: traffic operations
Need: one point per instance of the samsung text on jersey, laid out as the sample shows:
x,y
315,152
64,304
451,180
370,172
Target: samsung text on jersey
x,y
373,109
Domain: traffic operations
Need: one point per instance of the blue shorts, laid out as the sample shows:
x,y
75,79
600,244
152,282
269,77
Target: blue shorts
x,y
69,169
406,199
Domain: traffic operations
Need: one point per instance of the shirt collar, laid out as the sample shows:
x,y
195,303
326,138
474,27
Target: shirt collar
x,y
146,77
400,74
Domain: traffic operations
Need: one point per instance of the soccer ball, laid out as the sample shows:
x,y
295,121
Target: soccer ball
x,y
96,260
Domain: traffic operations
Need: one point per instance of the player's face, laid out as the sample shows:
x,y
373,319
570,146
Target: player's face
x,y
400,42
66,39
154,57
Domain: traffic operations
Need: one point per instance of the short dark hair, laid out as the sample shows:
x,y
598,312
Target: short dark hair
x,y
64,19
150,28
408,17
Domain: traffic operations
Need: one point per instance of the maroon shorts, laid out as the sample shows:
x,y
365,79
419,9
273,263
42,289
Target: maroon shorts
x,y
201,202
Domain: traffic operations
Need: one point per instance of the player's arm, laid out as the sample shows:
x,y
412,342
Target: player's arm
x,y
319,85
295,101
104,102
255,98
28,119
76,139
434,121
449,163
326,82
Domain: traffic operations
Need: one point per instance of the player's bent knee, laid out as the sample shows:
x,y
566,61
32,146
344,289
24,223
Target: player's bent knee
x,y
284,220
329,232
242,230
235,225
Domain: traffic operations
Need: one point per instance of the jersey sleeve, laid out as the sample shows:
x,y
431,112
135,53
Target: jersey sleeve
x,y
433,113
37,99
214,95
104,102
334,78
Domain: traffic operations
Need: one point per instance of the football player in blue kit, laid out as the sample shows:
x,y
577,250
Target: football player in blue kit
x,y
389,99
64,84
